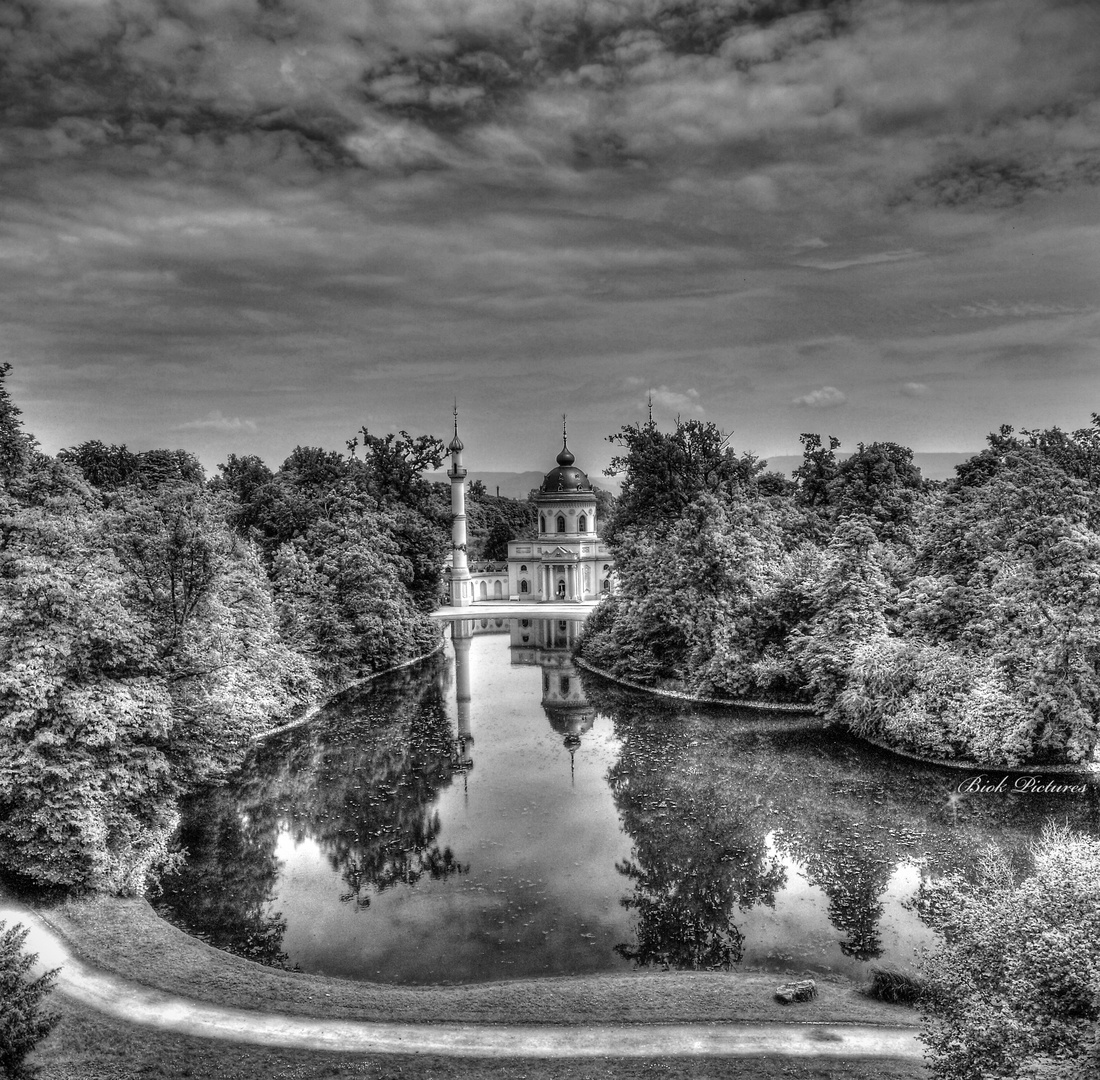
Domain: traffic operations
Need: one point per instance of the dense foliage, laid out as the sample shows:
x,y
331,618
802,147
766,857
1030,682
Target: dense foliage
x,y
23,1020
1014,990
151,623
957,620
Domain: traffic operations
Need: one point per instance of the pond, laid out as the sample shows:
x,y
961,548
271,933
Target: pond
x,y
493,813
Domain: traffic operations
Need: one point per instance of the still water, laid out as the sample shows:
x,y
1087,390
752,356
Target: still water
x,y
491,814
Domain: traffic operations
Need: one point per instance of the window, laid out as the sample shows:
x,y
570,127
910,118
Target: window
x,y
545,683
542,523
523,586
565,684
484,591
561,523
582,524
523,568
525,622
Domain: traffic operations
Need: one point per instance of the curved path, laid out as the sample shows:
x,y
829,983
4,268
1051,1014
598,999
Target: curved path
x,y
140,1005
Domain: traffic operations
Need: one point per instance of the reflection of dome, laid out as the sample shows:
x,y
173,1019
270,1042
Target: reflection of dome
x,y
572,721
566,477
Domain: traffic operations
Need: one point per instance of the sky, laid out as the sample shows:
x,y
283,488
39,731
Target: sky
x,y
245,225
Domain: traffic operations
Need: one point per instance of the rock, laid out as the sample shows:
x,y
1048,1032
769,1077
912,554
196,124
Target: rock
x,y
790,992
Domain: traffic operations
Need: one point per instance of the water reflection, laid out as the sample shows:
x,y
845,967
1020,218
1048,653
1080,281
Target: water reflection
x,y
672,836
361,786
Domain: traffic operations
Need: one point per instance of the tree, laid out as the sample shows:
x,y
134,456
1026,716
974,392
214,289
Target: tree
x,y
393,465
849,601
881,482
22,1019
16,446
663,473
1014,990
818,470
104,467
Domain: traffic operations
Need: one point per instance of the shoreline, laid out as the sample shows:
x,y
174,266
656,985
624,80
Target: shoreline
x,y
315,707
1069,769
112,939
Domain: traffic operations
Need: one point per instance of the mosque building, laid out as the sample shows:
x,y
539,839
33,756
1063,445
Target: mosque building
x,y
566,563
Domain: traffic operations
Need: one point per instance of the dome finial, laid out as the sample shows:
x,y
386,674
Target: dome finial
x,y
565,457
456,442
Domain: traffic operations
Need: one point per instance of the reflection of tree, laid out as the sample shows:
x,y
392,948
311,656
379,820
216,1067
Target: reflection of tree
x,y
853,877
360,781
699,848
221,892
698,791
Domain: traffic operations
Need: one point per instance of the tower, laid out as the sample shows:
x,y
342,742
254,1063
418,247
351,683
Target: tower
x,y
566,505
462,592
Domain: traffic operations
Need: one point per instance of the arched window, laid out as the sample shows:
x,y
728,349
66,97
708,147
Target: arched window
x,y
525,622
523,569
484,591
498,590
582,524
561,523
523,586
565,684
607,584
542,523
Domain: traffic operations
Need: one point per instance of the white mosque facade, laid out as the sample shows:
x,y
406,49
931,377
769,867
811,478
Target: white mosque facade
x,y
566,563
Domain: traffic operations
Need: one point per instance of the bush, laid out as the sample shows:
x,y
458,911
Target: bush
x,y
22,1021
1015,988
895,987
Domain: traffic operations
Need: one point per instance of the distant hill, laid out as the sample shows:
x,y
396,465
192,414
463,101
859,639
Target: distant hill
x,y
516,485
933,466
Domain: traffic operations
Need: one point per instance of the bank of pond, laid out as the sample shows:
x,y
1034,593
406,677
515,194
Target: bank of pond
x,y
493,812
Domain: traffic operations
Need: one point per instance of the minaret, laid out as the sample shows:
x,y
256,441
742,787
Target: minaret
x,y
462,591
462,632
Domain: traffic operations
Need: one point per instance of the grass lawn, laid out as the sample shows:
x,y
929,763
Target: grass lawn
x,y
126,937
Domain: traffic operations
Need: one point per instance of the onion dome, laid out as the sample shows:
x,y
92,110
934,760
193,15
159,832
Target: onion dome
x,y
456,443
566,477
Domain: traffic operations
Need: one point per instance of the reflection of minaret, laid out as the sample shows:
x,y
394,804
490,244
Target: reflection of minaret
x,y
462,631
462,590
549,644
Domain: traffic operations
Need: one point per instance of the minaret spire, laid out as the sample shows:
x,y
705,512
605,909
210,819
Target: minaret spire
x,y
462,593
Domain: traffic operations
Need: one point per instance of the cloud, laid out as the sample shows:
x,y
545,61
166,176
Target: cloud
x,y
860,260
827,397
215,421
676,401
915,389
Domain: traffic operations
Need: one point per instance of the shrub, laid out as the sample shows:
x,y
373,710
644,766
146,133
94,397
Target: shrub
x,y
895,987
1015,988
